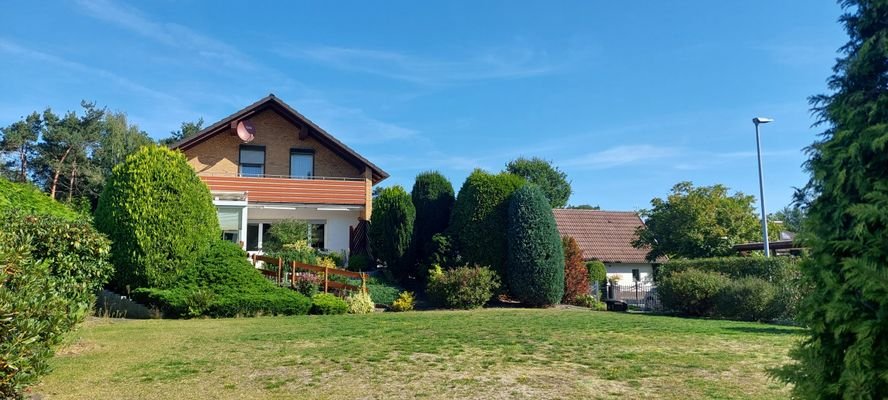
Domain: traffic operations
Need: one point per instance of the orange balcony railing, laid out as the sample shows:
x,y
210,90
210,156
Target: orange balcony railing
x,y
312,190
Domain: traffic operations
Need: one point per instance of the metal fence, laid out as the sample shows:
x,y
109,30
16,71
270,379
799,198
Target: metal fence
x,y
639,295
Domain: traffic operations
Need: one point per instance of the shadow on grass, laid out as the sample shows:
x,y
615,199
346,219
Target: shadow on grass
x,y
766,330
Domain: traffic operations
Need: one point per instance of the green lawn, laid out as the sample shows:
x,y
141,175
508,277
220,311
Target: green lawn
x,y
492,353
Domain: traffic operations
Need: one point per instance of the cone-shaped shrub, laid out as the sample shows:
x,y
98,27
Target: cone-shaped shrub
x,y
576,276
433,199
535,254
391,230
480,217
159,216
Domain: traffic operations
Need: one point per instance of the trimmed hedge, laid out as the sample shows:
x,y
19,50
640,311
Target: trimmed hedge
x,y
391,230
29,200
159,216
748,299
691,292
576,276
433,199
769,269
535,255
480,217
463,287
328,304
224,284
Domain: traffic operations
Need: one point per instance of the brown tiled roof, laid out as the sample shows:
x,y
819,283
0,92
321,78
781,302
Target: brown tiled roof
x,y
602,235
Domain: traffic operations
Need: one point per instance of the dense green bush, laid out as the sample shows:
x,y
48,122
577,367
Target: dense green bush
x,y
535,254
463,287
382,290
223,284
391,230
576,276
159,217
359,262
29,200
542,173
360,303
597,274
328,304
282,233
691,292
480,217
50,268
432,196
771,269
748,299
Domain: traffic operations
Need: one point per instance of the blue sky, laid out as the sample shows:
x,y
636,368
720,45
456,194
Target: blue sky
x,y
628,99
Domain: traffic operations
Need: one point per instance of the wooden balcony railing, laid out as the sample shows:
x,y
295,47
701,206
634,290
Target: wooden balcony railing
x,y
312,190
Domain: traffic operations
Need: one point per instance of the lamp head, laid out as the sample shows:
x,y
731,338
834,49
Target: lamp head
x,y
762,120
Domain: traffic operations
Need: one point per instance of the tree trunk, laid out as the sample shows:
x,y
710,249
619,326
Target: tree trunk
x,y
23,175
71,181
55,178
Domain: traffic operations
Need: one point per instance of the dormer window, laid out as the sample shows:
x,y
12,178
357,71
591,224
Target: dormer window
x,y
301,163
252,161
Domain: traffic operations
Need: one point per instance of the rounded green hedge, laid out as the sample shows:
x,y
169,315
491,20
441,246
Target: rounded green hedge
x,y
432,196
692,292
158,215
391,230
748,299
328,304
535,254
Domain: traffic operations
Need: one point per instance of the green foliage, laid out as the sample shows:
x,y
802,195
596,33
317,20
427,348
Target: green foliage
x,y
433,200
694,222
792,217
691,292
308,284
360,303
583,207
535,254
49,269
300,251
327,304
748,299
845,353
463,287
223,284
186,130
18,143
770,269
283,233
576,276
359,262
404,302
597,271
589,301
540,172
480,217
441,251
159,216
30,200
382,290
391,230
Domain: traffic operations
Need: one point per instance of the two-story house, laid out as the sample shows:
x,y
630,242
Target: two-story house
x,y
267,163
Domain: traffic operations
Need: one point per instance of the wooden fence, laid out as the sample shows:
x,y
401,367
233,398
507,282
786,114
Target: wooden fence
x,y
280,276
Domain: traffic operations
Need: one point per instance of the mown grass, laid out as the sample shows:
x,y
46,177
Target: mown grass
x,y
493,353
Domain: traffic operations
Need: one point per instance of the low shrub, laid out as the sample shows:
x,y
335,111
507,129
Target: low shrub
x,y
748,299
404,302
360,303
28,199
359,262
589,301
223,284
691,292
383,290
308,284
300,251
328,304
283,233
463,287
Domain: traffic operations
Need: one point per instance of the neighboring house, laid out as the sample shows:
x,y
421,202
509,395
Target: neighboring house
x,y
607,236
268,163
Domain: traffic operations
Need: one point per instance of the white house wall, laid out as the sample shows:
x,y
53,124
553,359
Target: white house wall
x,y
337,222
624,271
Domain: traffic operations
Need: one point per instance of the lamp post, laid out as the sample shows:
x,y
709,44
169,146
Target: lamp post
x,y
758,147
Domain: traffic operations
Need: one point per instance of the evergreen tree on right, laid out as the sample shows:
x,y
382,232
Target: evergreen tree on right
x,y
845,353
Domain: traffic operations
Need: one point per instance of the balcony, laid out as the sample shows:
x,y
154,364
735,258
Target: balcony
x,y
282,189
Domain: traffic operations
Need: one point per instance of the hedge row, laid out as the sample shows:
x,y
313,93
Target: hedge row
x,y
769,269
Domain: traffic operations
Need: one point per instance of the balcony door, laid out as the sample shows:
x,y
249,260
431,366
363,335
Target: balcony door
x,y
301,163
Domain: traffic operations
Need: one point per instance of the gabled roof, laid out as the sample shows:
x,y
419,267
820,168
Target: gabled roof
x,y
603,235
273,103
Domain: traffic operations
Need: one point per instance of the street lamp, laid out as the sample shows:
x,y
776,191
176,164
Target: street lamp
x,y
758,148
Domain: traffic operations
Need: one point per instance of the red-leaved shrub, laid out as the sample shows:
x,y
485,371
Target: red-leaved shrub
x,y
576,277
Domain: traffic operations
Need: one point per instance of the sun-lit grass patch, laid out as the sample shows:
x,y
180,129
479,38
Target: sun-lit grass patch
x,y
492,353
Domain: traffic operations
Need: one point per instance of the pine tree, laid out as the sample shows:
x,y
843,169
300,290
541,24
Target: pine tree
x,y
845,354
